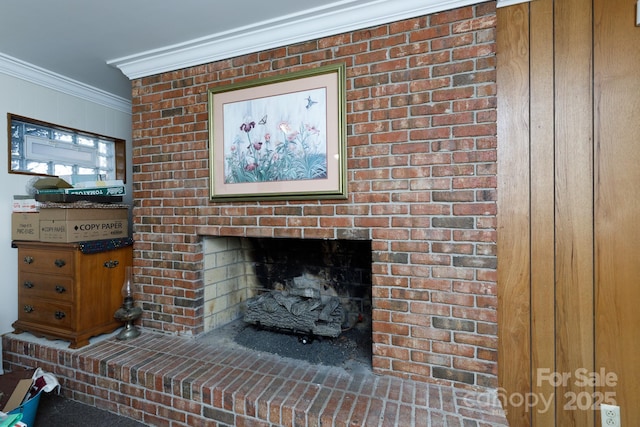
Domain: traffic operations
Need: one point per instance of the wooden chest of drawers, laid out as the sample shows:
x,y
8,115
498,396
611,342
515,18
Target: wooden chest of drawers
x,y
66,294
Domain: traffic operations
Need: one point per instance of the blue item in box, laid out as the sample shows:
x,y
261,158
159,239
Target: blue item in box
x,y
28,410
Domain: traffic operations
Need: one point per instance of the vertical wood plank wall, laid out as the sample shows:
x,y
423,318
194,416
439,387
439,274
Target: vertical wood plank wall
x,y
617,202
569,193
542,204
573,102
513,206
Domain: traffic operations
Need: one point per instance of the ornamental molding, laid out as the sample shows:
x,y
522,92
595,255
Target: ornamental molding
x,y
33,74
334,18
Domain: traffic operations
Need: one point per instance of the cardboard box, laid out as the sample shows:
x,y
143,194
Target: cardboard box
x,y
115,190
25,226
18,395
83,224
25,204
14,387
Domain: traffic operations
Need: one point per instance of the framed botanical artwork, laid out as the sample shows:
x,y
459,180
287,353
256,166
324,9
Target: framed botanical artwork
x,y
279,138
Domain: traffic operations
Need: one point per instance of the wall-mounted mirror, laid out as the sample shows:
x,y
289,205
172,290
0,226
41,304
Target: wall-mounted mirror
x,y
41,148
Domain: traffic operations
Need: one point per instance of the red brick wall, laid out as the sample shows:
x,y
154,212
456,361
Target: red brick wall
x,y
421,113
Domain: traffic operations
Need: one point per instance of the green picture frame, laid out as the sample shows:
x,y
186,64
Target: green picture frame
x,y
279,138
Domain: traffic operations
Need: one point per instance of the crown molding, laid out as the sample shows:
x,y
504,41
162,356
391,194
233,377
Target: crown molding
x,y
503,3
23,70
335,18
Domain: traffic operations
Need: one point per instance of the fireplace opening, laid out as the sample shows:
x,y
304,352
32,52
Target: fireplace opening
x,y
307,299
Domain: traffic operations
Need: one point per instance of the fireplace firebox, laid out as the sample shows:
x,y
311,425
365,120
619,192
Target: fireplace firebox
x,y
309,288
306,286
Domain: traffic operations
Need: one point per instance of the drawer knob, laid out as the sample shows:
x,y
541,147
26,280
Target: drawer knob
x,y
28,284
60,315
111,263
60,263
28,308
28,259
60,289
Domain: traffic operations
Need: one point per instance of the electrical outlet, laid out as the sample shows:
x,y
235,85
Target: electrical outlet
x,y
610,415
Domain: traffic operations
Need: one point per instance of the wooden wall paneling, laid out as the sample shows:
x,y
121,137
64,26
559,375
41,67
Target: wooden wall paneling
x,y
617,230
513,209
542,211
576,156
574,205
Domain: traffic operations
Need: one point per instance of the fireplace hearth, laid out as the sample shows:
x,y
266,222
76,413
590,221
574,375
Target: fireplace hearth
x,y
350,351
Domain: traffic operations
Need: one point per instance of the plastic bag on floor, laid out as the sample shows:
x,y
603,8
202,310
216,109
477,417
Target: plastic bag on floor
x,y
42,381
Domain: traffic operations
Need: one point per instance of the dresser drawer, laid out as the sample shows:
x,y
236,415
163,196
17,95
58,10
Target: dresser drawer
x,y
70,291
53,314
46,286
46,261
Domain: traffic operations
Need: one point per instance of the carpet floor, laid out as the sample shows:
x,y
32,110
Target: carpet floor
x,y
57,411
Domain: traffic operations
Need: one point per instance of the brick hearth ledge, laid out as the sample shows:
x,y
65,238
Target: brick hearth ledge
x,y
165,380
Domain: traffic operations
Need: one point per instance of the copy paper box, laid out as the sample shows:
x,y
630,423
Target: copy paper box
x,y
25,226
83,224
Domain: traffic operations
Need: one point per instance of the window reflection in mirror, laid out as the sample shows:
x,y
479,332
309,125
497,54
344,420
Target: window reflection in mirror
x,y
40,148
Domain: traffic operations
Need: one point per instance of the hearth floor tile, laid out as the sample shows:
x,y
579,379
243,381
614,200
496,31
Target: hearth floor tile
x,y
176,381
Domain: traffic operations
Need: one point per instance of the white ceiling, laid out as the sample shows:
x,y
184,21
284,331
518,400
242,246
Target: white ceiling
x,y
104,44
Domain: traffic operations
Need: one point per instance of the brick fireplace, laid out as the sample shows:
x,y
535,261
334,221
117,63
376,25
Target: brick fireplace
x,y
421,158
